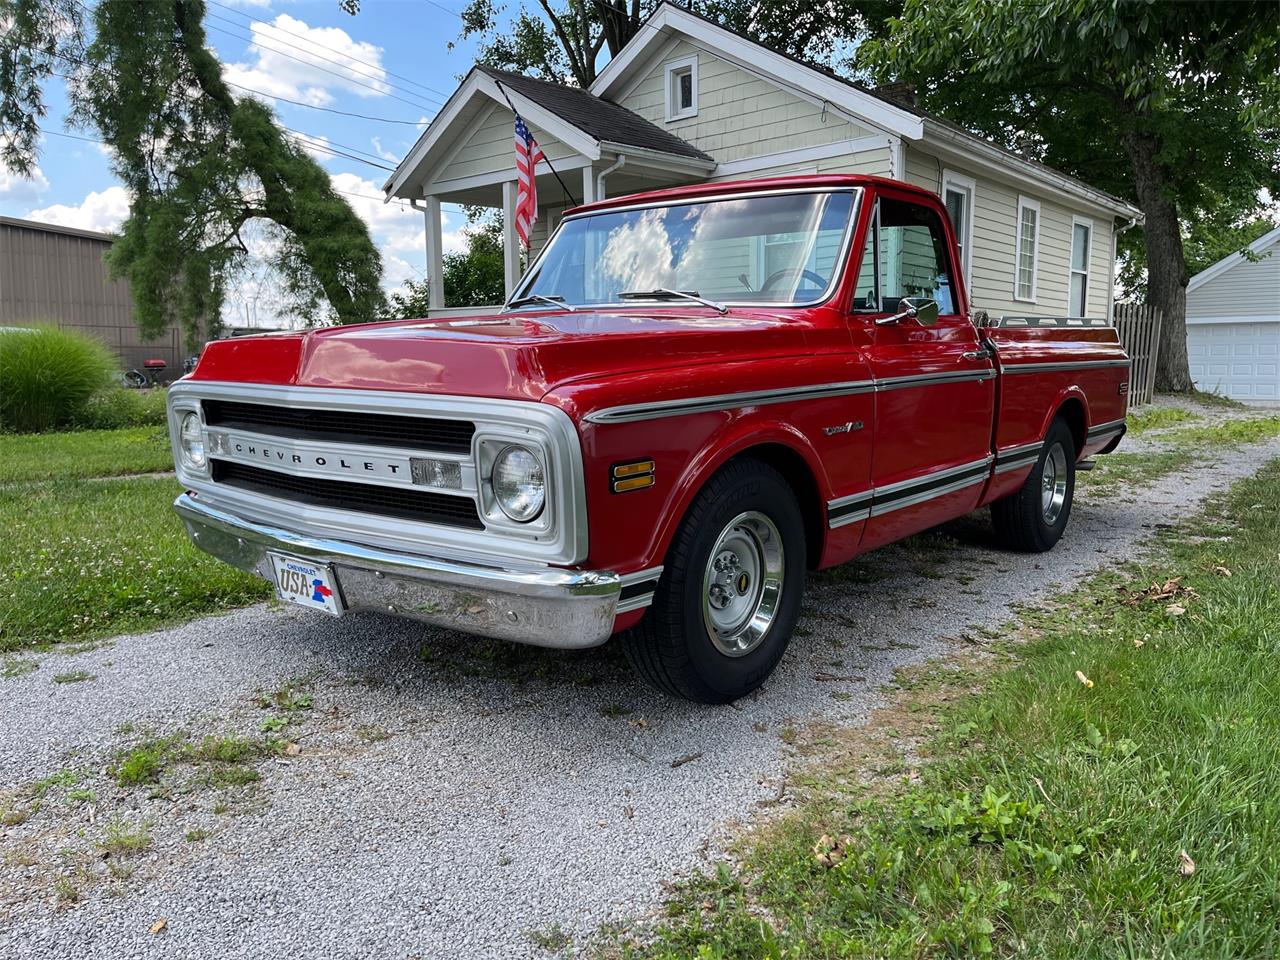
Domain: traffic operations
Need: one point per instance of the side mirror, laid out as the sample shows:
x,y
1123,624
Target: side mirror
x,y
921,309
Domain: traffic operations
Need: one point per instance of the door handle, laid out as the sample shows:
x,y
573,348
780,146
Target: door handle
x,y
986,353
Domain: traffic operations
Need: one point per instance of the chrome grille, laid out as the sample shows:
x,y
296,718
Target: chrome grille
x,y
342,426
406,504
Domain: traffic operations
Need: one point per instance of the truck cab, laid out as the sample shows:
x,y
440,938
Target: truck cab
x,y
693,397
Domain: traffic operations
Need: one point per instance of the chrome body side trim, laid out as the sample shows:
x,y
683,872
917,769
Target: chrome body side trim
x,y
561,537
1061,367
632,412
906,493
1108,428
546,606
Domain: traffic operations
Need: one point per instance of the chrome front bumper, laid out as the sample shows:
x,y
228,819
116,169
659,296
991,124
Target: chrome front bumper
x,y
546,606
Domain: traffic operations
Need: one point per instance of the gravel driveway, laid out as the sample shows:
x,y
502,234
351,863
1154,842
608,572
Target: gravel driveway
x,y
459,798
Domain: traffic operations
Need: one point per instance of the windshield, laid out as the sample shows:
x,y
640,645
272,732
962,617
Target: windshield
x,y
779,248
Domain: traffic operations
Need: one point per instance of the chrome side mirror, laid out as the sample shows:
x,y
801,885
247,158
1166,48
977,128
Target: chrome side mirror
x,y
923,310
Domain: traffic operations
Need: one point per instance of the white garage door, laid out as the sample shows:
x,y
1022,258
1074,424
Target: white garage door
x,y
1238,360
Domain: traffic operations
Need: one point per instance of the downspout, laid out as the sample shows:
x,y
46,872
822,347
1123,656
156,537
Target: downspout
x,y
617,164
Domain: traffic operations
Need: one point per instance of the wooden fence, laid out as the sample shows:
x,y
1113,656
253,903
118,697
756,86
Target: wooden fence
x,y
1138,325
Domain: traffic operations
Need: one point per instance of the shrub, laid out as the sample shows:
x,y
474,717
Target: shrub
x,y
119,407
47,376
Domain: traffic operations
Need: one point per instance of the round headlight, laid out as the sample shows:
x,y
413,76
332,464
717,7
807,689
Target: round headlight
x,y
519,484
191,439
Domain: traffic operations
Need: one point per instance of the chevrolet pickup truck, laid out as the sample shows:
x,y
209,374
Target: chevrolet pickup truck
x,y
693,397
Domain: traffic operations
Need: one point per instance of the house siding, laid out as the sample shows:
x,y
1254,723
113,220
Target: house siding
x,y
1248,289
739,115
490,148
995,211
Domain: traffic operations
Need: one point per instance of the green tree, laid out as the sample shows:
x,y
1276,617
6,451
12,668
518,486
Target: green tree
x,y
565,41
474,278
199,163
1175,106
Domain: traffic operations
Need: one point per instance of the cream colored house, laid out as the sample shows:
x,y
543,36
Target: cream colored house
x,y
687,101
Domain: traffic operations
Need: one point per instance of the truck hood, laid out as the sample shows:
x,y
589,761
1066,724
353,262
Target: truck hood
x,y
520,355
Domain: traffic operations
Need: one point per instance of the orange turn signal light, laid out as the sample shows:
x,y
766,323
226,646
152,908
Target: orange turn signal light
x,y
635,475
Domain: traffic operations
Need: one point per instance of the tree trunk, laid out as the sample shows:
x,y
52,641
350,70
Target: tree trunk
x,y
1166,264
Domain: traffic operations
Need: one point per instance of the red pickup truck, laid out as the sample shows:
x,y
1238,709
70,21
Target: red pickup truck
x,y
694,397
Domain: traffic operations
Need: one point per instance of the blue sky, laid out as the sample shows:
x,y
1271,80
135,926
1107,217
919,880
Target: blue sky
x,y
397,65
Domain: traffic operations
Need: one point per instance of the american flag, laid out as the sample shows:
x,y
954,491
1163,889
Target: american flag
x,y
528,153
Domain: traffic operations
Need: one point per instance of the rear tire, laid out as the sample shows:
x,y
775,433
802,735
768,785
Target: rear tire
x,y
730,591
1033,519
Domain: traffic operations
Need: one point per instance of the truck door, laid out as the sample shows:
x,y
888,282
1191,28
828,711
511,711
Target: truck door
x,y
935,385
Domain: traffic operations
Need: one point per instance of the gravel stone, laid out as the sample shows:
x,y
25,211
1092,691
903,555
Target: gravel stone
x,y
454,796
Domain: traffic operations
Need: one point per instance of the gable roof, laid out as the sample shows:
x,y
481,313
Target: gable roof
x,y
870,108
1233,259
602,119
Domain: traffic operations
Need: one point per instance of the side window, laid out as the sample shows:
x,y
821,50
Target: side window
x,y
910,246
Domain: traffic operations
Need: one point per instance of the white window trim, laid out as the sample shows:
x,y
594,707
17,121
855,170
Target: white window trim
x,y
1023,204
668,68
965,184
1088,263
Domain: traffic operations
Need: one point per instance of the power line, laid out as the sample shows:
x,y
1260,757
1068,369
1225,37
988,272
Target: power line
x,y
301,141
312,106
452,13
333,73
308,40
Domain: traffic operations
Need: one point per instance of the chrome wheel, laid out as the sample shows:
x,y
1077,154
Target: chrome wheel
x,y
1053,484
742,585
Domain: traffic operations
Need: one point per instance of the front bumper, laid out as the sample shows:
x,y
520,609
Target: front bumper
x,y
546,606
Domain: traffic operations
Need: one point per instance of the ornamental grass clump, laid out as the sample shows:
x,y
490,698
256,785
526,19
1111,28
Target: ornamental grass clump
x,y
48,376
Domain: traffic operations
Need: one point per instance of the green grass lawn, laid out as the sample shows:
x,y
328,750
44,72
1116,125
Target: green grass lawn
x,y
83,453
87,559
1157,418
1109,788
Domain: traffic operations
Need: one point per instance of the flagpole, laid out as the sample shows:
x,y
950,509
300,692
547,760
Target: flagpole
x,y
545,158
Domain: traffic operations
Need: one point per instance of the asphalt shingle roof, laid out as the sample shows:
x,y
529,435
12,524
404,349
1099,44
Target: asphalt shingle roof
x,y
601,119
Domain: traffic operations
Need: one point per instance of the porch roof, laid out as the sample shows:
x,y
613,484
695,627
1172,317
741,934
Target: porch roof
x,y
591,126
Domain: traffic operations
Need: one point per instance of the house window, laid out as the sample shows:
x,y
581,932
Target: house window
x,y
1024,284
958,193
1081,249
682,88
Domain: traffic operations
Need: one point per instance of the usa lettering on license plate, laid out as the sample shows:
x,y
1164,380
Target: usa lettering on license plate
x,y
306,584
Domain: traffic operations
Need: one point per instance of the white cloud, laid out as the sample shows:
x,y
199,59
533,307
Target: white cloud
x,y
397,229
317,146
18,188
301,62
103,211
381,151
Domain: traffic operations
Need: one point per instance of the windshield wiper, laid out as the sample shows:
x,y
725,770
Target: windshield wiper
x,y
539,298
662,293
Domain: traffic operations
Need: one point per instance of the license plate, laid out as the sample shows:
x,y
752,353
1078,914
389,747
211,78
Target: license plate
x,y
307,584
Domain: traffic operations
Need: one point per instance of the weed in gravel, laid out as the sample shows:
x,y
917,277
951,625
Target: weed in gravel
x,y
1216,401
74,676
82,795
13,814
63,778
1157,418
16,667
1229,433
552,939
67,889
144,762
372,733
292,696
226,749
124,840
196,834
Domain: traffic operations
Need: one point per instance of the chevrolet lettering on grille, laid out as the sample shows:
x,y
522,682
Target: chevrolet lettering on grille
x,y
308,458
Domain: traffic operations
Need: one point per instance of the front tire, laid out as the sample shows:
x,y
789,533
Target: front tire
x,y
730,592
1033,519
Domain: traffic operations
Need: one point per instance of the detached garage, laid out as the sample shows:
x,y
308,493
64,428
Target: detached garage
x,y
1233,323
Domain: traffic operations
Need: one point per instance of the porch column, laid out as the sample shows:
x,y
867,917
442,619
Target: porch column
x,y
510,239
435,253
589,185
